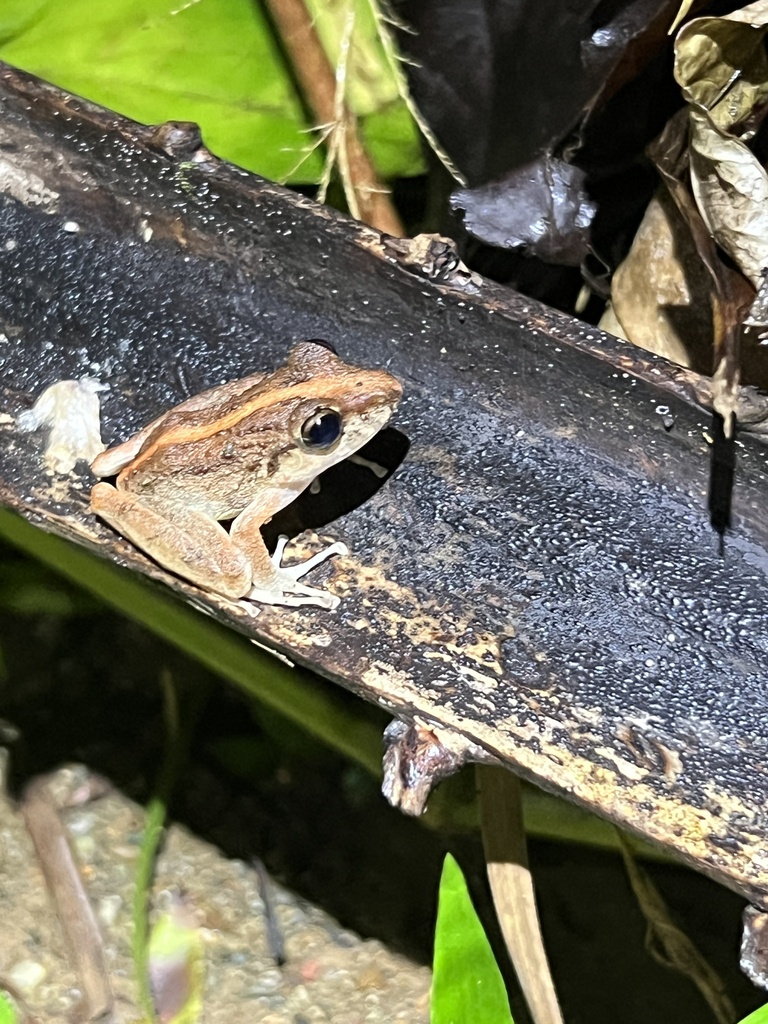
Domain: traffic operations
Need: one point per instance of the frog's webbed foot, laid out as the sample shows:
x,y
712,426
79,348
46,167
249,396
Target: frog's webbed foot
x,y
286,588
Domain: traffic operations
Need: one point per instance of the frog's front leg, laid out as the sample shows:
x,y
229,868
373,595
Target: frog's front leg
x,y
274,583
188,543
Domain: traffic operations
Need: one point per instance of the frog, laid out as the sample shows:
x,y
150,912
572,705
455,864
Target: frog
x,y
237,453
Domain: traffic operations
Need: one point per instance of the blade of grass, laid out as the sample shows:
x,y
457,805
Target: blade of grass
x,y
291,692
759,1016
8,1012
467,986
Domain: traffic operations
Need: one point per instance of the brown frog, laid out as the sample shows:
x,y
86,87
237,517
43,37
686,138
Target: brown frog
x,y
241,451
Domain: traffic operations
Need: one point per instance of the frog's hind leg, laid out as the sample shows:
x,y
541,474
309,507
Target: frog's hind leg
x,y
187,543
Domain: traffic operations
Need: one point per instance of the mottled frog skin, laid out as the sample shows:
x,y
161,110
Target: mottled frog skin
x,y
241,451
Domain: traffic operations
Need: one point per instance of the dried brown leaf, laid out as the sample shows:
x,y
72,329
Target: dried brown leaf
x,y
685,9
731,190
661,293
721,63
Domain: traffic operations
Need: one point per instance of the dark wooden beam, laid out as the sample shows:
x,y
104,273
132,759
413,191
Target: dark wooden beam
x,y
538,579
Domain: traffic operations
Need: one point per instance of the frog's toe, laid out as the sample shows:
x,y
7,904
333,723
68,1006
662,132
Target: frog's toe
x,y
292,594
282,586
295,572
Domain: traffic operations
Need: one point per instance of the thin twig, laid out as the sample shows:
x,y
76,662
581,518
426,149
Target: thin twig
x,y
669,945
275,940
367,196
73,908
386,20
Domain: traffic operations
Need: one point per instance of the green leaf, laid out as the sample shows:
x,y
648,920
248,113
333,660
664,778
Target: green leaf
x,y
8,1014
391,137
154,60
758,1017
26,589
214,62
467,986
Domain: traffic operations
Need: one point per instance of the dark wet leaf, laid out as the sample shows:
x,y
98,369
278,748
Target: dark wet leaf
x,y
541,208
501,82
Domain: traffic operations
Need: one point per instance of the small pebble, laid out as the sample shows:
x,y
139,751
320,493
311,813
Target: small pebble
x,y
26,975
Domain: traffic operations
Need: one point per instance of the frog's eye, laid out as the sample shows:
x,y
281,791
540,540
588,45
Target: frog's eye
x,y
321,431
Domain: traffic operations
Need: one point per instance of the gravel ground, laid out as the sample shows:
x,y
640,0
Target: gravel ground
x,y
330,974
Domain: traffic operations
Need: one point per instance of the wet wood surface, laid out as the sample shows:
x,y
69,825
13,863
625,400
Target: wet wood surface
x,y
537,576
